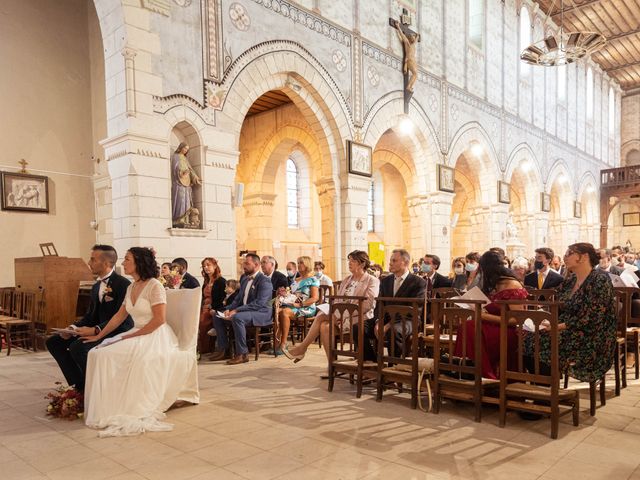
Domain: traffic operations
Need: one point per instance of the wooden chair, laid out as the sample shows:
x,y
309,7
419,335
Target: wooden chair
x,y
324,291
6,301
459,377
345,358
623,312
538,391
264,335
19,329
401,364
446,292
633,326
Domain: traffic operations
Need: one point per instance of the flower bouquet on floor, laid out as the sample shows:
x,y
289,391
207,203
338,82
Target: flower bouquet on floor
x,y
65,402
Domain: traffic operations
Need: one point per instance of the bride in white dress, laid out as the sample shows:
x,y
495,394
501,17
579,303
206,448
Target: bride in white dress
x,y
134,379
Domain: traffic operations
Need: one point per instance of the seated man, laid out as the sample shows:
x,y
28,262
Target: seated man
x,y
402,284
107,296
250,308
188,280
278,280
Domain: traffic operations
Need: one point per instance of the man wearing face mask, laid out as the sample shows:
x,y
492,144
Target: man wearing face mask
x,y
605,264
429,268
544,277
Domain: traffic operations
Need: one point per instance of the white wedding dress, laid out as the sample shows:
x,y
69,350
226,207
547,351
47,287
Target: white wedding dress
x,y
131,383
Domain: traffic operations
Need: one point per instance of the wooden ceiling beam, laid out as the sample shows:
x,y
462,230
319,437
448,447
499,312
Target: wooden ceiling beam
x,y
575,8
624,35
622,67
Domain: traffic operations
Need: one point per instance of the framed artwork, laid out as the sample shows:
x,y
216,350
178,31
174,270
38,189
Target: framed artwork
x,y
359,157
24,192
577,209
504,192
446,177
545,202
631,219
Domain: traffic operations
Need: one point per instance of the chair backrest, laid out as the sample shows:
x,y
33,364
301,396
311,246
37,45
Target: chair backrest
x,y
324,292
450,328
341,309
632,317
541,294
183,315
405,315
29,305
336,286
446,292
514,314
6,300
16,304
622,309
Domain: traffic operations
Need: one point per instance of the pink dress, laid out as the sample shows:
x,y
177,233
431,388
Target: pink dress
x,y
491,335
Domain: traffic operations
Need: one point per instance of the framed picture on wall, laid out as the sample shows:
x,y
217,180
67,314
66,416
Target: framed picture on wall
x,y
24,192
545,202
446,177
631,219
504,192
577,209
359,157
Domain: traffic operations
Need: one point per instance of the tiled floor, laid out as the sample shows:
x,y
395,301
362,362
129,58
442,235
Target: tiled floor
x,y
273,419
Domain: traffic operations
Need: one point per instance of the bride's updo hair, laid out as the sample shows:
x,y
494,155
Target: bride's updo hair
x,y
145,260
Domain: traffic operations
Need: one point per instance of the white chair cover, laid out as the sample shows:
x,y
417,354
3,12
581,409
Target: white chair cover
x,y
183,316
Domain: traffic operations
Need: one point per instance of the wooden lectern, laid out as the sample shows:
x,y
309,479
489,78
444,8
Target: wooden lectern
x,y
59,279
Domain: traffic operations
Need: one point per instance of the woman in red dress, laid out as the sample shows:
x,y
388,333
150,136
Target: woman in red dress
x,y
497,283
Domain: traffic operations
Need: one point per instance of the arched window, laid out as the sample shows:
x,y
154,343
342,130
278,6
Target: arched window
x,y
562,82
475,10
293,195
589,94
371,210
612,111
525,38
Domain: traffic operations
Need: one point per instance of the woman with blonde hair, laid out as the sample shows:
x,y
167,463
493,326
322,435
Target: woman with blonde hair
x,y
306,289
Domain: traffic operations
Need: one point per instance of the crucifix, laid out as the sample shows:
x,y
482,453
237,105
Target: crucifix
x,y
408,38
23,163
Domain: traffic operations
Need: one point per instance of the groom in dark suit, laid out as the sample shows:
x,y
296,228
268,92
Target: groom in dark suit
x,y
401,284
107,296
249,308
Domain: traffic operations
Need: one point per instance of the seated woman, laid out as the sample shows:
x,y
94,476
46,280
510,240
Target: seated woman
x,y
212,297
358,284
305,288
471,269
498,283
457,275
520,268
587,318
134,379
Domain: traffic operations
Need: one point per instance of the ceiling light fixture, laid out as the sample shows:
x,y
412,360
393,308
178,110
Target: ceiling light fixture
x,y
406,126
477,149
563,47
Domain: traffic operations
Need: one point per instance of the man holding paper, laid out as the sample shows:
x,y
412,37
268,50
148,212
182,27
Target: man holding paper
x,y
107,296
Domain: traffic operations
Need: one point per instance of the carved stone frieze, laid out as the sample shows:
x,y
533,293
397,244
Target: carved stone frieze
x,y
163,7
310,20
164,104
212,39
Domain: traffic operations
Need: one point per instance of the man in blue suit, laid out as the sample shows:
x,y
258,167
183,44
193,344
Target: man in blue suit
x,y
249,308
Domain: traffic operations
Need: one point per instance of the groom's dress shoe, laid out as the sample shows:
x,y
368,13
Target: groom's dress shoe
x,y
238,359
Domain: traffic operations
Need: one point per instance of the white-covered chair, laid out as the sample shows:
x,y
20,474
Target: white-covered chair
x,y
183,316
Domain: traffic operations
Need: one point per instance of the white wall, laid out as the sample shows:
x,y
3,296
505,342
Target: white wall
x,y
47,97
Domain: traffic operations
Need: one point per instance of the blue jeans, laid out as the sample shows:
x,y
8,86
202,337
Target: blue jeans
x,y
239,322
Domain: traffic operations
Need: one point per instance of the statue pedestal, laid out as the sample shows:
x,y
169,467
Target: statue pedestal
x,y
515,248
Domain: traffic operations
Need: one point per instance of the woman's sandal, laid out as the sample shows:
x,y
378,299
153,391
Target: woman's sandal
x,y
290,356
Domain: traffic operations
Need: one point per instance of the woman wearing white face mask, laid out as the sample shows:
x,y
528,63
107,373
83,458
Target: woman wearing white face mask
x,y
471,269
458,275
318,268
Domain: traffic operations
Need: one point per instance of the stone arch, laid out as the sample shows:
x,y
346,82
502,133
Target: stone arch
x,y
468,135
287,66
563,227
386,114
630,153
590,209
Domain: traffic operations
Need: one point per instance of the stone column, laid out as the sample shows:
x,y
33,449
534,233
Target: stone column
x,y
259,213
434,212
354,197
330,231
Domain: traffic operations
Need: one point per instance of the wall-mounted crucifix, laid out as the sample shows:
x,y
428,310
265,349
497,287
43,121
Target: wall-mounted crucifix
x,y
408,38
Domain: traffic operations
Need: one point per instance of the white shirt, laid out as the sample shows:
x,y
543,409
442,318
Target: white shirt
x,y
246,290
103,285
398,281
